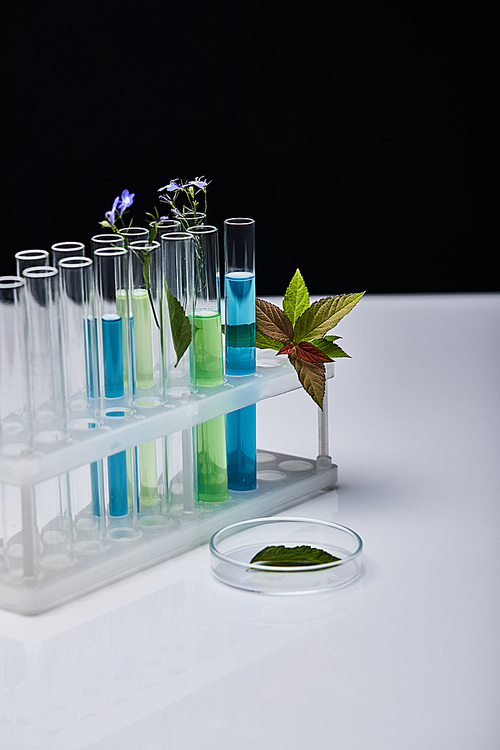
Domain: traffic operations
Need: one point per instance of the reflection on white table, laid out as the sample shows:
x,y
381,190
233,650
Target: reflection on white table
x,y
406,657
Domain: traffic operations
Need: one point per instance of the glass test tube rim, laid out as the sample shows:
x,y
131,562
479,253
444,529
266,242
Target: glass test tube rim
x,y
202,229
11,281
76,261
239,220
106,237
40,272
127,232
67,245
109,252
136,244
182,235
34,254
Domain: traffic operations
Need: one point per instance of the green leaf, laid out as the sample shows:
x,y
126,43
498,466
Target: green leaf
x,y
323,315
285,557
312,377
272,321
328,347
296,299
179,325
266,342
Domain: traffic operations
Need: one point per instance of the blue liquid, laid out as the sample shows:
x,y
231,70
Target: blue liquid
x,y
241,448
240,360
93,392
112,344
114,387
118,484
240,323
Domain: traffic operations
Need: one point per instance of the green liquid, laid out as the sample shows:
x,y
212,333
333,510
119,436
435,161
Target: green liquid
x,y
240,336
206,349
143,339
212,461
148,475
207,370
142,342
123,312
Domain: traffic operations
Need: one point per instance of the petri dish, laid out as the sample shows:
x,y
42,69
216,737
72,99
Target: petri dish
x,y
232,548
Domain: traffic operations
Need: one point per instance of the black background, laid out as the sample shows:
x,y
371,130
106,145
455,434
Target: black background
x,y
349,133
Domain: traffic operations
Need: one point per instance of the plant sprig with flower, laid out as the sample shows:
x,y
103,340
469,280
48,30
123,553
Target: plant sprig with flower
x,y
115,222
121,204
182,198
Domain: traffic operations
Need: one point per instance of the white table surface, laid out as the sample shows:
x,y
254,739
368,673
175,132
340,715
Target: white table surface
x,y
405,658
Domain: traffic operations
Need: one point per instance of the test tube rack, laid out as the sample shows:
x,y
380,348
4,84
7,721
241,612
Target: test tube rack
x,y
40,569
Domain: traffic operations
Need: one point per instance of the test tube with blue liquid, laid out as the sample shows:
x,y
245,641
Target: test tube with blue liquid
x,y
240,356
114,323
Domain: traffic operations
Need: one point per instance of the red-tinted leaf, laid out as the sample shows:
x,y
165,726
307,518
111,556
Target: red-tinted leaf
x,y
312,377
271,321
310,353
287,349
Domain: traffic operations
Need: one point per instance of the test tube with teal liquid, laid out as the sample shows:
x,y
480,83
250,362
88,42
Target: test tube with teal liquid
x,y
240,359
114,323
207,369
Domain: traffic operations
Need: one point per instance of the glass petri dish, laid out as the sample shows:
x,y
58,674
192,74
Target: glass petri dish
x,y
232,548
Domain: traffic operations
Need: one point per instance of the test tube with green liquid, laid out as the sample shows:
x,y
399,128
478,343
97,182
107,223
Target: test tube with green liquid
x,y
207,369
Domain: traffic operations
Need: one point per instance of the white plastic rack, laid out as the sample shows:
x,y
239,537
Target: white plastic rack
x,y
50,554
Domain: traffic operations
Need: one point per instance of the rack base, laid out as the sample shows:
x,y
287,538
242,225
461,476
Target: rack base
x,y
282,481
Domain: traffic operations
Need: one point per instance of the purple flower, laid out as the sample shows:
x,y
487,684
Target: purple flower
x,y
199,182
173,185
126,201
110,215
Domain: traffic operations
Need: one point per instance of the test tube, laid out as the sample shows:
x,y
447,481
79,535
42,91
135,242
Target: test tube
x,y
30,258
145,262
207,368
61,250
14,395
157,228
51,498
114,322
191,219
134,234
240,360
79,350
176,316
45,370
18,540
106,239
